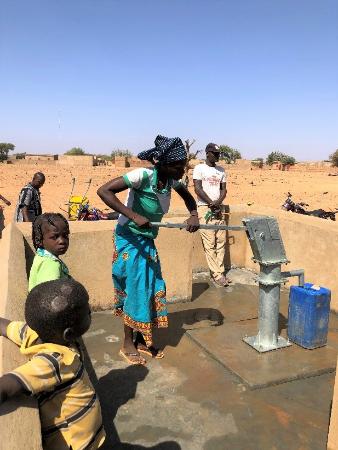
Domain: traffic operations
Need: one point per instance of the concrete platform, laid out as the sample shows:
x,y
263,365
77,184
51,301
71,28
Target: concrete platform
x,y
191,401
258,370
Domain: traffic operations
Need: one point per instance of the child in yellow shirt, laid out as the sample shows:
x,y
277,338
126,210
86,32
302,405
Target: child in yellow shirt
x,y
57,313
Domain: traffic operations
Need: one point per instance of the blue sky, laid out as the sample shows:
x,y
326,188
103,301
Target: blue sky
x,y
258,75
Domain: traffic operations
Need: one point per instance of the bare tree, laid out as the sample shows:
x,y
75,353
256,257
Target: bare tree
x,y
189,144
190,156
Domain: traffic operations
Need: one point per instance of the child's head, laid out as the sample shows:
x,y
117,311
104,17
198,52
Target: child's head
x,y
51,232
58,310
38,180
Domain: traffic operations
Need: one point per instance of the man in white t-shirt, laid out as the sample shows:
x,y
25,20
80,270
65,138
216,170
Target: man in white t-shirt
x,y
210,188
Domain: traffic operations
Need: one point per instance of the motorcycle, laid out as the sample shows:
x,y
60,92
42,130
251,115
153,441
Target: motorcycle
x,y
87,213
299,208
80,209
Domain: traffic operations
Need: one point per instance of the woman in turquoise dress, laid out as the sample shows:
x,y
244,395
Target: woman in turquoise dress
x,y
139,289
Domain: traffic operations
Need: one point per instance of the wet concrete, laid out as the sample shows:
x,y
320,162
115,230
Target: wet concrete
x,y
262,369
189,400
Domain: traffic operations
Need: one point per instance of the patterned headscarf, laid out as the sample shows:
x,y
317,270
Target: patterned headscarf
x,y
166,150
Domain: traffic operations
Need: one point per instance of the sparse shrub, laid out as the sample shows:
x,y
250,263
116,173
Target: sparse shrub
x,y
75,151
228,154
334,158
280,157
288,160
5,147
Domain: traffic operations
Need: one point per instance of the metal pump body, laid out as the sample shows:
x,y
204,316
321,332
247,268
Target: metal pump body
x,y
268,250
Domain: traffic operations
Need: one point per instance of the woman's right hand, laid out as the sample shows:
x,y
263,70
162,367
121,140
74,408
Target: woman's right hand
x,y
141,221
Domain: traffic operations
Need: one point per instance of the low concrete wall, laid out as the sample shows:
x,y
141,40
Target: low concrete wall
x,y
310,243
332,443
13,293
90,253
121,161
76,160
33,162
41,157
135,162
175,248
318,166
235,250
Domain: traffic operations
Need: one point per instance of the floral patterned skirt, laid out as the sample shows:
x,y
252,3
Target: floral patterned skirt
x,y
139,289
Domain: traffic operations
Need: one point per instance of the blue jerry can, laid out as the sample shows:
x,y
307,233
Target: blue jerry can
x,y
309,310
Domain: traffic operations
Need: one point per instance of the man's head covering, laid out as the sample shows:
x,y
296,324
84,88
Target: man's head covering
x,y
166,150
211,147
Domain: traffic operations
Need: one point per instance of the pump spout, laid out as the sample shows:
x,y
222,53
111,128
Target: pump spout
x,y
295,273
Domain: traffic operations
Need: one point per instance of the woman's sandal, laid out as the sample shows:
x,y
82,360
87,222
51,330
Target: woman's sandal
x,y
153,352
139,362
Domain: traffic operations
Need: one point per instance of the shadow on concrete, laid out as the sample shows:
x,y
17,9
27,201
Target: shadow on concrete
x,y
169,445
198,289
182,321
88,363
19,401
119,386
282,323
29,255
115,389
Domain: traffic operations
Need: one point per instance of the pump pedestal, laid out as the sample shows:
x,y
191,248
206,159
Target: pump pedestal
x,y
268,249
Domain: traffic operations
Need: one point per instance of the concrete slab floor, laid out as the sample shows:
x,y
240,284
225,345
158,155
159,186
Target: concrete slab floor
x,y
258,370
188,400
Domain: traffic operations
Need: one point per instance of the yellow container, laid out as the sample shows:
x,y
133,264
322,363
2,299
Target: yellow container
x,y
74,205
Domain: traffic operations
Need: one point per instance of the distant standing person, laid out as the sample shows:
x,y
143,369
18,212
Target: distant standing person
x,y
29,203
210,187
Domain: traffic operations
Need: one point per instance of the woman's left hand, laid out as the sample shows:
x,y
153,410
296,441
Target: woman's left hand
x,y
193,224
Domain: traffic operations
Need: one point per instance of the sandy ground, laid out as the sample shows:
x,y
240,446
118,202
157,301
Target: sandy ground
x,y
260,187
